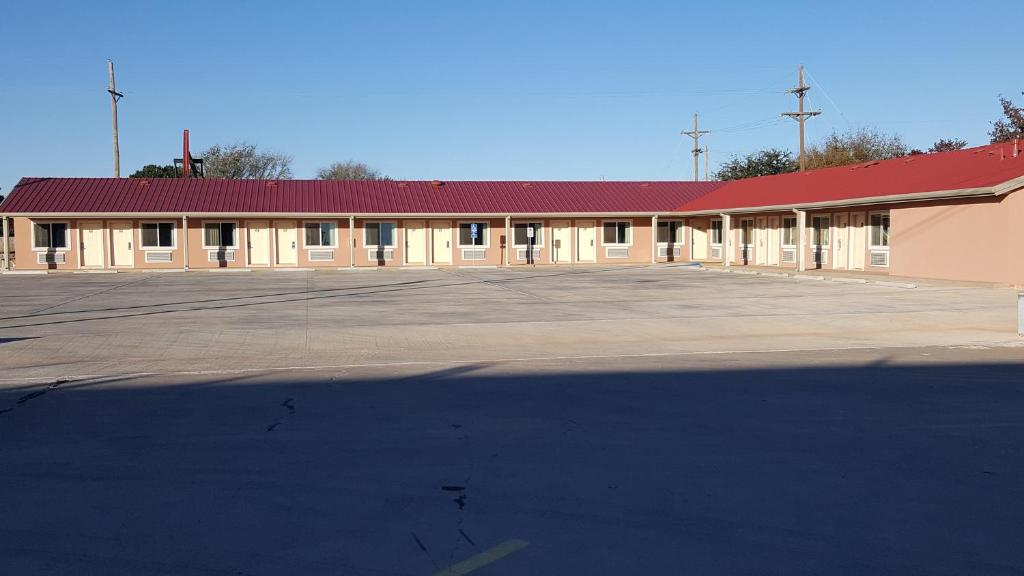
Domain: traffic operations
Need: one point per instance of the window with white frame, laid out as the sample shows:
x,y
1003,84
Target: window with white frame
x,y
716,231
220,235
321,234
670,232
520,236
820,226
466,234
618,232
379,234
880,230
156,235
50,235
789,237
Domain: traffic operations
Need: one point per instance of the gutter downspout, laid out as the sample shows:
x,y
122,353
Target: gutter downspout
x,y
654,239
184,228
726,240
351,241
801,225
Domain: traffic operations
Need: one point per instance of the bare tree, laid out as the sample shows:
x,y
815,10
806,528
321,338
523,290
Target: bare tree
x,y
1011,125
861,145
242,161
349,170
948,145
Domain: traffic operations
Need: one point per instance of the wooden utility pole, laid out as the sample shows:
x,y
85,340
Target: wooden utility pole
x,y
800,115
114,97
707,162
695,134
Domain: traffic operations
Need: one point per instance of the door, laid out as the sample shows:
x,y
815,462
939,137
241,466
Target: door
x,y
287,243
586,248
699,242
772,248
747,240
92,243
259,243
857,238
561,242
840,242
415,242
441,231
760,241
122,251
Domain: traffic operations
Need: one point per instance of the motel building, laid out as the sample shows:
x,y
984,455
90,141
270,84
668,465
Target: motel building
x,y
952,215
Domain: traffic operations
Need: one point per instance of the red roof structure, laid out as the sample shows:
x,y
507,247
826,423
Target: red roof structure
x,y
355,197
972,171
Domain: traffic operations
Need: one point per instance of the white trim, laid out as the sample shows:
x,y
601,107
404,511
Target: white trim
x,y
871,246
248,243
540,228
828,230
275,243
202,232
174,235
629,233
487,236
711,232
394,233
782,231
334,244
682,223
113,250
67,235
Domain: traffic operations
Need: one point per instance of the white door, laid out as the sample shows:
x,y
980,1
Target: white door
x,y
561,242
441,231
840,240
92,243
259,243
699,242
857,239
287,243
747,240
122,245
772,248
415,242
586,248
760,241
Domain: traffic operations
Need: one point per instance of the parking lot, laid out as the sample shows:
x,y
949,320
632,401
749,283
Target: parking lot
x,y
486,421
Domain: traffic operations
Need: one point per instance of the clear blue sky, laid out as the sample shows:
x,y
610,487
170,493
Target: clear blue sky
x,y
489,90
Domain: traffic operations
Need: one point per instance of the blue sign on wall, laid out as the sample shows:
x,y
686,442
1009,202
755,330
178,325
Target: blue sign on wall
x,y
472,231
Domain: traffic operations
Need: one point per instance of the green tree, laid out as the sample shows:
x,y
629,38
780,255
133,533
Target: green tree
x,y
861,145
349,170
762,163
1011,125
242,161
155,171
948,145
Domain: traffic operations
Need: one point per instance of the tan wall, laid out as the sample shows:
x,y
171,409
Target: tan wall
x,y
639,250
341,248
684,254
25,255
493,252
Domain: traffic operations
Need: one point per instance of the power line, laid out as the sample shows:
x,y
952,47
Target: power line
x,y
827,97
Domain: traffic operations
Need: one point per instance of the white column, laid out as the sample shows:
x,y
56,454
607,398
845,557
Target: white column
x,y
654,239
184,239
801,225
7,245
508,240
726,240
351,241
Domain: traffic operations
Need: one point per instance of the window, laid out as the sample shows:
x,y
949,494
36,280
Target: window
x,y
50,236
820,224
617,233
321,234
157,235
789,237
379,234
219,235
466,230
519,235
670,232
716,231
880,230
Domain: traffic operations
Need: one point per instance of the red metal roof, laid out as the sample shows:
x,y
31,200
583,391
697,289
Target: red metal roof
x,y
192,196
980,167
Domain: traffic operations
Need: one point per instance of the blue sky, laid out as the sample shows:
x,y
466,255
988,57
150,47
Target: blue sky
x,y
489,90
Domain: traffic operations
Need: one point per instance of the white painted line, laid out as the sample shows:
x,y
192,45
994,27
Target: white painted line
x,y
474,563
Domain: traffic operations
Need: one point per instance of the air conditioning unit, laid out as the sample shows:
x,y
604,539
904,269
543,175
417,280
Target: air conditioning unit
x,y
321,255
617,252
221,255
820,256
789,255
521,254
51,258
677,251
387,254
474,254
159,257
880,258
716,252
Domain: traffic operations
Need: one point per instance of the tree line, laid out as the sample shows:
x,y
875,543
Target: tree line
x,y
244,161
861,145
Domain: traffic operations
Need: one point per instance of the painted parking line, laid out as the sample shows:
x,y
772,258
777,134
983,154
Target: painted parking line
x,y
484,558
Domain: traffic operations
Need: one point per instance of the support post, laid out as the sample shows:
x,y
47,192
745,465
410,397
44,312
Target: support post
x,y
801,232
184,239
726,240
7,244
654,239
1020,313
351,241
508,240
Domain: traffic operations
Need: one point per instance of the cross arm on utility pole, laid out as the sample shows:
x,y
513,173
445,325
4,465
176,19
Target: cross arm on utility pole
x,y
696,133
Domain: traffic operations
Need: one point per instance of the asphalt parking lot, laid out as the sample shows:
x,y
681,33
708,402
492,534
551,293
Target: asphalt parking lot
x,y
491,422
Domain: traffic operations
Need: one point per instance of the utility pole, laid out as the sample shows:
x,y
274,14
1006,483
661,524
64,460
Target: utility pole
x,y
707,162
695,134
114,97
800,115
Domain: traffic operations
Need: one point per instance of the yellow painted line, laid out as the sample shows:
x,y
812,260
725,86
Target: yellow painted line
x,y
484,558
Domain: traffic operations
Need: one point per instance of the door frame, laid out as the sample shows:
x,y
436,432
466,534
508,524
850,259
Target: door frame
x,y
840,244
451,239
81,245
248,244
405,243
568,226
275,241
593,229
131,239
750,237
